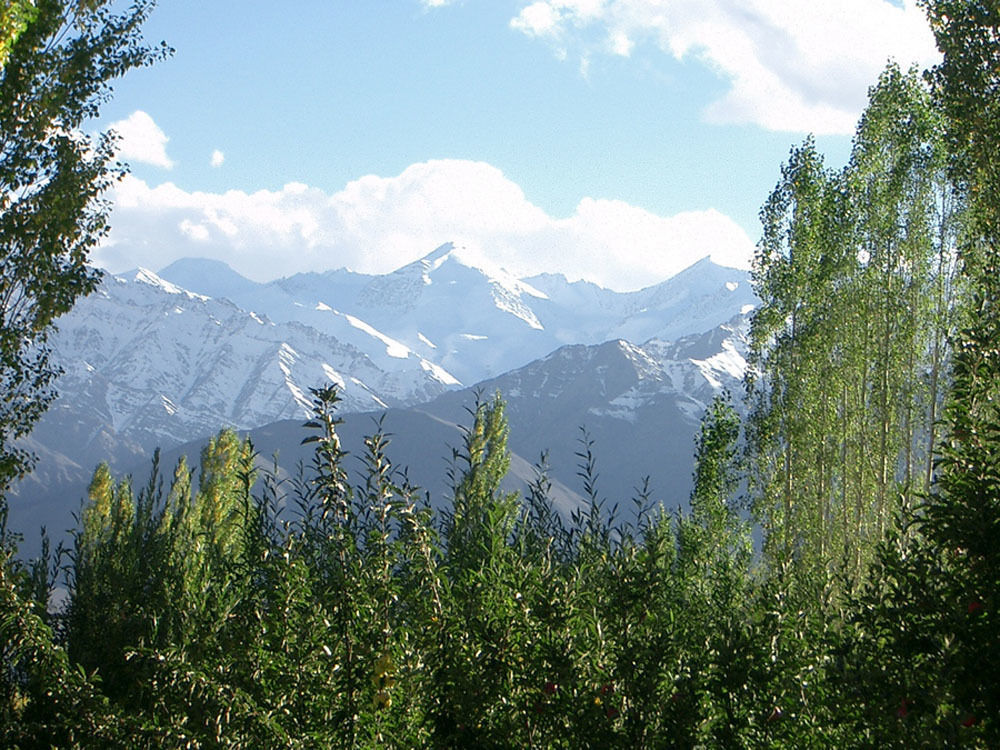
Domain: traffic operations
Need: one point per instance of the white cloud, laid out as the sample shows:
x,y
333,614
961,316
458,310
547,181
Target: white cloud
x,y
791,65
141,140
217,158
539,19
196,232
376,224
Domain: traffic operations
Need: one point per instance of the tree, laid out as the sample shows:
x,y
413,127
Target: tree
x,y
714,557
791,384
16,16
962,517
923,632
59,58
856,275
904,211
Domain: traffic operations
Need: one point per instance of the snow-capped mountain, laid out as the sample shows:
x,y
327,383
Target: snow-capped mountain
x,y
160,359
640,404
476,321
148,363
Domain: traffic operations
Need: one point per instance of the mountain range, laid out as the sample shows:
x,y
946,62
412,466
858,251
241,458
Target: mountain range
x,y
168,358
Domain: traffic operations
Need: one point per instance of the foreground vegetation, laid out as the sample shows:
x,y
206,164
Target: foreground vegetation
x,y
243,611
357,617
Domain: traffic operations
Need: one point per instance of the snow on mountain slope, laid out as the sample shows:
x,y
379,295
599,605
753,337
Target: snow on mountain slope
x,y
476,321
620,379
157,360
149,363
315,300
154,364
701,297
640,404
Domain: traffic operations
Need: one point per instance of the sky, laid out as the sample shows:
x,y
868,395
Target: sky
x,y
616,141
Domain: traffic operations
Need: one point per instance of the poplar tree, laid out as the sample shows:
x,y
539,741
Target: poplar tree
x,y
961,520
59,58
856,275
790,380
903,211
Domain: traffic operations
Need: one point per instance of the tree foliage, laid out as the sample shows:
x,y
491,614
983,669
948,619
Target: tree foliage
x,y
937,619
59,58
856,271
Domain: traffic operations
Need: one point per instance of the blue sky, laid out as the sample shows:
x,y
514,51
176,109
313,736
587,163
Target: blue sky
x,y
613,140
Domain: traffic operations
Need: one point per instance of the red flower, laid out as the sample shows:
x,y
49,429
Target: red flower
x,y
550,688
611,712
776,714
902,711
970,720
975,606
606,688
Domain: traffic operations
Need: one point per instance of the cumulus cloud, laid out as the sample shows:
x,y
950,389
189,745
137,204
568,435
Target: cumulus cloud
x,y
141,140
217,158
539,19
791,66
376,224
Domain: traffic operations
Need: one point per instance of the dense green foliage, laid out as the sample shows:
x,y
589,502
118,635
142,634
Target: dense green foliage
x,y
240,610
930,608
199,615
357,618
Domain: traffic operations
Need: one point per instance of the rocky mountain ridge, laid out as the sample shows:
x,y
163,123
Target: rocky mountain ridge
x,y
161,359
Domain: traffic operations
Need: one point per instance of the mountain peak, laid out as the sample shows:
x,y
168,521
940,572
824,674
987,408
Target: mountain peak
x,y
145,276
448,252
207,276
702,262
438,254
198,265
454,256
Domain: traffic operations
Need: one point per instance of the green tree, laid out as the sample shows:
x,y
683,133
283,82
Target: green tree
x,y
714,572
960,522
474,664
14,19
57,61
849,355
921,637
61,58
905,216
792,379
856,272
